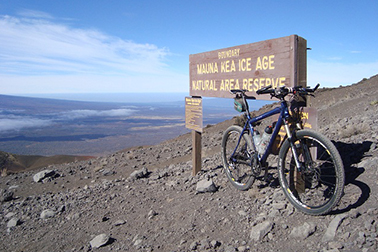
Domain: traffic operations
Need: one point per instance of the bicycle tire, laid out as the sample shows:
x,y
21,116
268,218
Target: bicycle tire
x,y
237,168
319,188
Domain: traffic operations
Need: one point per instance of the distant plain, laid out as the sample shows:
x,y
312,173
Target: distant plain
x,y
44,126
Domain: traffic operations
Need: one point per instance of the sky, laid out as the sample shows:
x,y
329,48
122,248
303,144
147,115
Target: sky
x,y
125,46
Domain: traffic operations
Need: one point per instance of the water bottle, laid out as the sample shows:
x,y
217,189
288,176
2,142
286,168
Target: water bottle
x,y
256,139
265,140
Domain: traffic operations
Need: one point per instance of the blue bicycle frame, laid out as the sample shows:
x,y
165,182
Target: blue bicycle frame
x,y
282,120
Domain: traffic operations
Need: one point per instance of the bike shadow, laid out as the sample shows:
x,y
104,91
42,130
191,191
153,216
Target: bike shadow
x,y
356,192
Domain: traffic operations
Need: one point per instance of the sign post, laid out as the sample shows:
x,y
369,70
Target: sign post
x,y
194,121
196,151
276,62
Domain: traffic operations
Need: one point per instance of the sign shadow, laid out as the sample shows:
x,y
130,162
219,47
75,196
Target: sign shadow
x,y
356,192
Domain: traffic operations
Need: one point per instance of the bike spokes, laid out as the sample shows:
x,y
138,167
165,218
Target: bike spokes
x,y
318,186
236,154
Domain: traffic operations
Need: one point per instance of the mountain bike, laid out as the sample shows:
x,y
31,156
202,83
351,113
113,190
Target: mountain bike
x,y
310,169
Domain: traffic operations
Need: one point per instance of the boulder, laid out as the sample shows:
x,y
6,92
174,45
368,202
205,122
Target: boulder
x,y
206,186
48,213
99,240
261,230
42,175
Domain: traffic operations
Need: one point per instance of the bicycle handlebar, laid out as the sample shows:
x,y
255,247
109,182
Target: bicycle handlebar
x,y
281,92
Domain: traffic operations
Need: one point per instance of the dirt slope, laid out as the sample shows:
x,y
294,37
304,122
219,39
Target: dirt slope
x,y
145,199
14,163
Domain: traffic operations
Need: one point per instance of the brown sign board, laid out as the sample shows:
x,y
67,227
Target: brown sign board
x,y
193,113
275,62
309,118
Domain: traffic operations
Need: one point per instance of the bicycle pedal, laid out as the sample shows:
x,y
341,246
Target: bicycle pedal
x,y
268,177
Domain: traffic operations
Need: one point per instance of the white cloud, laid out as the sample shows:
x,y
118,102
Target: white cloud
x,y
15,123
334,74
10,122
41,46
34,14
38,46
83,113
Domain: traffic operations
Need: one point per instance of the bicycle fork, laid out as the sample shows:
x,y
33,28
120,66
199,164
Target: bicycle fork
x,y
292,144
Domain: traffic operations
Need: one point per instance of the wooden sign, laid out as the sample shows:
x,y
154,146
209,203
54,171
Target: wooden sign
x,y
194,121
193,113
276,62
309,118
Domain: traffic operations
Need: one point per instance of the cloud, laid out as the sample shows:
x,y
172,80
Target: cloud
x,y
35,14
15,123
31,45
12,122
334,74
83,113
38,46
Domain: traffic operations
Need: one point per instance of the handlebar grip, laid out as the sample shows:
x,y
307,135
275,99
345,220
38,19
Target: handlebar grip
x,y
311,90
263,90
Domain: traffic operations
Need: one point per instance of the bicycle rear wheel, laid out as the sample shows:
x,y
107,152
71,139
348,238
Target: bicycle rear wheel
x,y
237,157
319,186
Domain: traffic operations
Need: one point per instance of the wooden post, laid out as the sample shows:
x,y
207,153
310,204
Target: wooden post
x,y
196,151
300,79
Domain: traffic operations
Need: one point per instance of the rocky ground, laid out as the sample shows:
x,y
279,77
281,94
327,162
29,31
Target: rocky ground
x,y
146,199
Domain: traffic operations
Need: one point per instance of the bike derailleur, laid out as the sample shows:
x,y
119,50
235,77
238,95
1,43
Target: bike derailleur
x,y
255,164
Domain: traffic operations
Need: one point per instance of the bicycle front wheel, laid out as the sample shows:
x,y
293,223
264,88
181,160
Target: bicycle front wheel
x,y
237,157
319,186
